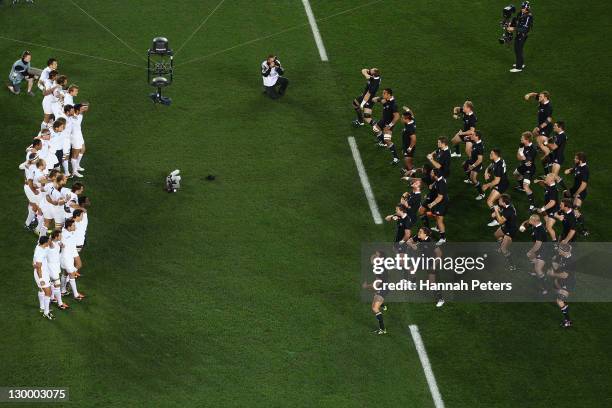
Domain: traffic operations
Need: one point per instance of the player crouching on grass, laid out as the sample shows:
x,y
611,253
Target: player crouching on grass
x,y
363,104
383,129
564,274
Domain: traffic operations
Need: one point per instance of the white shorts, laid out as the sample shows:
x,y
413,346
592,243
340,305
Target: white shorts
x,y
32,198
54,271
47,209
45,279
59,214
77,141
57,109
46,104
67,263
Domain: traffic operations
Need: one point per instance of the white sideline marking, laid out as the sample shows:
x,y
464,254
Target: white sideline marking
x,y
429,375
315,30
367,189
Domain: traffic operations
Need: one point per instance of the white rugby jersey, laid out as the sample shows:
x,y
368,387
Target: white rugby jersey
x,y
40,256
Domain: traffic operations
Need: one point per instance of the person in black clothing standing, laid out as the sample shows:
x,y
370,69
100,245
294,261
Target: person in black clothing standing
x,y
404,223
384,127
473,165
524,22
568,218
363,104
408,138
505,215
563,272
436,204
545,111
496,172
468,117
440,158
555,150
525,172
578,192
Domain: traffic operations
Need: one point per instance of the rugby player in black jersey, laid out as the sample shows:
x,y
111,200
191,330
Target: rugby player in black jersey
x,y
436,203
538,253
563,271
505,215
496,172
469,127
473,165
545,110
568,219
578,192
554,149
423,245
363,104
384,127
440,158
378,299
403,223
551,204
409,138
412,201
525,172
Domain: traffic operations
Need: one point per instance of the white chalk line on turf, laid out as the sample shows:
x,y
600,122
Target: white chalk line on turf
x,y
72,52
429,375
365,182
108,30
265,37
315,30
199,27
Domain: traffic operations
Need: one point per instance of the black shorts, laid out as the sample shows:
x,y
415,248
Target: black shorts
x,y
501,187
468,163
439,209
60,156
527,172
408,153
511,232
546,131
381,124
557,160
368,104
581,196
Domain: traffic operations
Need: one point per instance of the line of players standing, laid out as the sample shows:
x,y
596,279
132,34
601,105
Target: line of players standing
x,y
548,139
56,213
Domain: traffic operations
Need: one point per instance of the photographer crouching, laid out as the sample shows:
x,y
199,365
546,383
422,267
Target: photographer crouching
x,y
520,26
274,83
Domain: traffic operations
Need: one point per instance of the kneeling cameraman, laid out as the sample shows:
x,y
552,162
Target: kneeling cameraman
x,y
275,84
524,21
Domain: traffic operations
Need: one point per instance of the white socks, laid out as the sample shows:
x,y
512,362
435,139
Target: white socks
x,y
66,169
75,165
79,160
58,295
41,300
46,304
64,282
31,216
75,292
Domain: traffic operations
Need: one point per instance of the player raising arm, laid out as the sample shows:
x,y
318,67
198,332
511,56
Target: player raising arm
x,y
363,104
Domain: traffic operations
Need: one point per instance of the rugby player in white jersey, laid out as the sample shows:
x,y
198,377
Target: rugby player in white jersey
x,y
53,263
57,103
47,153
49,87
68,255
31,192
76,138
53,203
39,179
44,75
41,276
71,93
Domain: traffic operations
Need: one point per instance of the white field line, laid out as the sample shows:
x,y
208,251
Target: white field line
x,y
429,375
365,182
315,30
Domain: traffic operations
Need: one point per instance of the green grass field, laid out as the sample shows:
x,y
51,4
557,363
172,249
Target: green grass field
x,y
244,292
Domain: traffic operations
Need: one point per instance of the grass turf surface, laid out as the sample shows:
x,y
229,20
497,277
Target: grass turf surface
x,y
244,291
